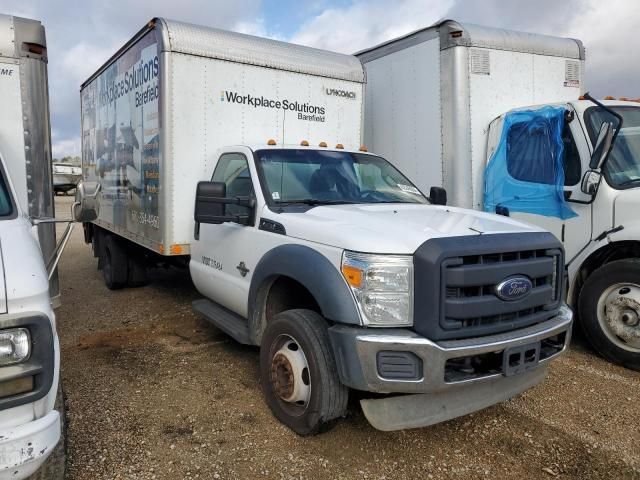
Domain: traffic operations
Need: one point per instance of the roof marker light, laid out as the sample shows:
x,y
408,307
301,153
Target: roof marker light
x,y
339,146
363,148
624,99
271,141
322,144
304,143
609,97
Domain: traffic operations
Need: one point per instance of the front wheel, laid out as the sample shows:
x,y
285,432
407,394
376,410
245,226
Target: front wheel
x,y
609,308
298,372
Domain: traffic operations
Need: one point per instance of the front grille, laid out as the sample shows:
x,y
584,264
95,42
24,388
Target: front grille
x,y
455,281
469,283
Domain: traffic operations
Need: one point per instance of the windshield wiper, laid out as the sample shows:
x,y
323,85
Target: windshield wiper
x,y
312,202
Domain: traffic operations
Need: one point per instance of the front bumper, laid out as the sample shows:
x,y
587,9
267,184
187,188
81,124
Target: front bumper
x,y
357,349
23,449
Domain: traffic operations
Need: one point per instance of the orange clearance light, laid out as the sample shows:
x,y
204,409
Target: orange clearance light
x,y
581,97
322,144
304,143
363,148
609,97
624,99
175,249
352,275
339,146
161,249
271,141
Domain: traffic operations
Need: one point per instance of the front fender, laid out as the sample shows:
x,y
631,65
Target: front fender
x,y
312,270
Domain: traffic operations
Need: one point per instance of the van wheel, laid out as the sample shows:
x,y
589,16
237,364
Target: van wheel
x,y
54,466
114,265
609,308
298,372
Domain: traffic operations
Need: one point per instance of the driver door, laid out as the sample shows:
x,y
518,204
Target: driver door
x,y
221,259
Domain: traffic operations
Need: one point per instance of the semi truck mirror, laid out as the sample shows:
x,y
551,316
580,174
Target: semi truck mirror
x,y
86,206
603,146
438,196
590,182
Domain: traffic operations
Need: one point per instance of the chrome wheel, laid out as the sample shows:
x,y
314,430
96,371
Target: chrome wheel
x,y
619,315
289,375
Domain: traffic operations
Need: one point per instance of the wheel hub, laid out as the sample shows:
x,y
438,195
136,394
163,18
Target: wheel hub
x,y
290,374
622,313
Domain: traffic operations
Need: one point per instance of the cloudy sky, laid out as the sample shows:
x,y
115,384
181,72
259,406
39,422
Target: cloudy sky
x,y
82,34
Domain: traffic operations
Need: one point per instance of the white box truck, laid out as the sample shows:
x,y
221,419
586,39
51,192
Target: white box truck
x,y
31,407
242,156
496,118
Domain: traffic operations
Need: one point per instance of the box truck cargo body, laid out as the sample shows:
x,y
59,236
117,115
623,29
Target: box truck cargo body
x,y
497,118
155,114
243,155
431,96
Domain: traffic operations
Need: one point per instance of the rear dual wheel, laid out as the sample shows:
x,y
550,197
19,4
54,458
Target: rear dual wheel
x,y
122,267
298,372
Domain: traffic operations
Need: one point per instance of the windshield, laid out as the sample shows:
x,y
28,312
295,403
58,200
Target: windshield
x,y
316,177
623,165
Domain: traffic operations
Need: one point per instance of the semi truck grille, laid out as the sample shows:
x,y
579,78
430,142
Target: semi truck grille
x,y
467,272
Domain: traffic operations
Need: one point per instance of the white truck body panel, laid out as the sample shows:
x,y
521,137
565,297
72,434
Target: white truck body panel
x,y
169,137
29,428
463,83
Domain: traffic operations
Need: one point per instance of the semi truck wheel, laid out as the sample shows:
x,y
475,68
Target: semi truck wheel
x,y
298,372
54,467
609,308
115,264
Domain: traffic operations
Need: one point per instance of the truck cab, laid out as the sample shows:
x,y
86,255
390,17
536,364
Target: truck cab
x,y
348,277
601,238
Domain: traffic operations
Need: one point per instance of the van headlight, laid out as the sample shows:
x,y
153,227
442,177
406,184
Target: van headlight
x,y
15,346
382,286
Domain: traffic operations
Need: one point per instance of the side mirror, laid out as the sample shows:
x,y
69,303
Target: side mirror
x,y
590,182
438,196
210,201
211,198
86,206
603,146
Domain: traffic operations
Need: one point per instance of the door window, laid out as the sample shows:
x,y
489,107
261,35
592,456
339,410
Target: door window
x,y
233,170
571,158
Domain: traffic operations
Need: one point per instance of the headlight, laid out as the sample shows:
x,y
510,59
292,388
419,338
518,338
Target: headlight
x,y
382,286
15,346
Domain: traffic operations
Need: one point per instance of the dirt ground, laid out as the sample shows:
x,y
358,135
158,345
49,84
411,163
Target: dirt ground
x,y
154,392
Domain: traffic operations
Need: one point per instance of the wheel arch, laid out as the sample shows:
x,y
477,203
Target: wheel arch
x,y
608,253
300,277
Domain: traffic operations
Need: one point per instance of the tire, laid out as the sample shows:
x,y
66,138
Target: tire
x,y
325,398
137,271
54,466
609,312
115,264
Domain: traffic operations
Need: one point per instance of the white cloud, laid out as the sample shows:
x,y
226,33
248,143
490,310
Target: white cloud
x,y
65,148
366,23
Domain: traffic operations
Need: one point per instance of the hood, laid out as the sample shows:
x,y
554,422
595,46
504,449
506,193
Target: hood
x,y
391,228
24,285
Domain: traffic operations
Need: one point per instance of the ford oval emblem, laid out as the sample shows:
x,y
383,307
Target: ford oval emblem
x,y
513,288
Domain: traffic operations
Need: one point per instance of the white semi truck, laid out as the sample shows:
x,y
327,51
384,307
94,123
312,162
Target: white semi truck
x,y
31,410
448,105
241,157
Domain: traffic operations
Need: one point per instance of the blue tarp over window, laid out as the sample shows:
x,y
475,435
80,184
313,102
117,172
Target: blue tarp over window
x,y
525,173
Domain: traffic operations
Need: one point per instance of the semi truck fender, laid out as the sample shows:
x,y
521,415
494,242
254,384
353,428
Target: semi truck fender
x,y
314,272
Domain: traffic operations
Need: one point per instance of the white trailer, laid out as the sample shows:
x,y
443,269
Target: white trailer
x,y
31,408
436,104
242,155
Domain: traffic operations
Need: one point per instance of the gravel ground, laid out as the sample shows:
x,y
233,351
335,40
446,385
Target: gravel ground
x,y
154,392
